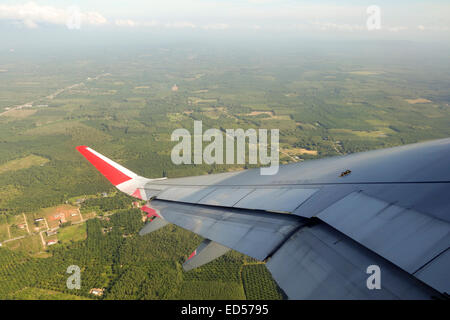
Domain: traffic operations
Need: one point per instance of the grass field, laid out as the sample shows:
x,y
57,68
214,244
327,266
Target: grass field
x,y
17,226
418,100
23,163
299,151
72,233
30,244
361,134
18,114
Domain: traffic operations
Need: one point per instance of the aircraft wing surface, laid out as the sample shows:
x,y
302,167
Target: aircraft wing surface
x,y
320,225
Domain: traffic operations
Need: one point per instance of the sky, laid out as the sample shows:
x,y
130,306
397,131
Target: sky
x,y
388,19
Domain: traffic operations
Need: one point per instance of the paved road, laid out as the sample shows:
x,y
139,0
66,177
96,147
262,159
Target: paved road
x,y
53,95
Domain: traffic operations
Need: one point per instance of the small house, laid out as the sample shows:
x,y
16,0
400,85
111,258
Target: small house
x,y
96,291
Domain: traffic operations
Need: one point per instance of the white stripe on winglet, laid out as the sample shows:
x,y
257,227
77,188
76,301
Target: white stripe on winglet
x,y
115,165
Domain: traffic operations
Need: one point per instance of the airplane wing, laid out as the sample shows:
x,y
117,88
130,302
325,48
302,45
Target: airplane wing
x,y
323,225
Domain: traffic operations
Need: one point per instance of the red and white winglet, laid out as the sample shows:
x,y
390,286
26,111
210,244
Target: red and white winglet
x,y
122,178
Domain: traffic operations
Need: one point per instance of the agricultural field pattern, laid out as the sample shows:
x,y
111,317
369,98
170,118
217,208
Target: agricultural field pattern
x,y
56,210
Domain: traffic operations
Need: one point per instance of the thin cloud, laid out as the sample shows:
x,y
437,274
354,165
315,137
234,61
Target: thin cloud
x,y
421,27
31,15
216,26
180,24
172,24
270,15
126,23
326,26
395,28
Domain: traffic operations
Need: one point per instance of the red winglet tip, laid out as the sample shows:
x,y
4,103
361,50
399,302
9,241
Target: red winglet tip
x,y
114,175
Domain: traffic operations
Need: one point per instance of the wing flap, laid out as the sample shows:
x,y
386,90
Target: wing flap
x,y
256,234
406,237
206,252
275,199
321,263
185,194
435,273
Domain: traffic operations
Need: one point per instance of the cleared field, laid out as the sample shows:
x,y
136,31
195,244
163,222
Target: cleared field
x,y
17,226
269,115
30,245
299,151
23,163
282,117
72,233
418,100
63,213
361,134
19,114
176,117
257,113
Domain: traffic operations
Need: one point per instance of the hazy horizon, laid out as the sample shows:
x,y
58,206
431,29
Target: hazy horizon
x,y
402,20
